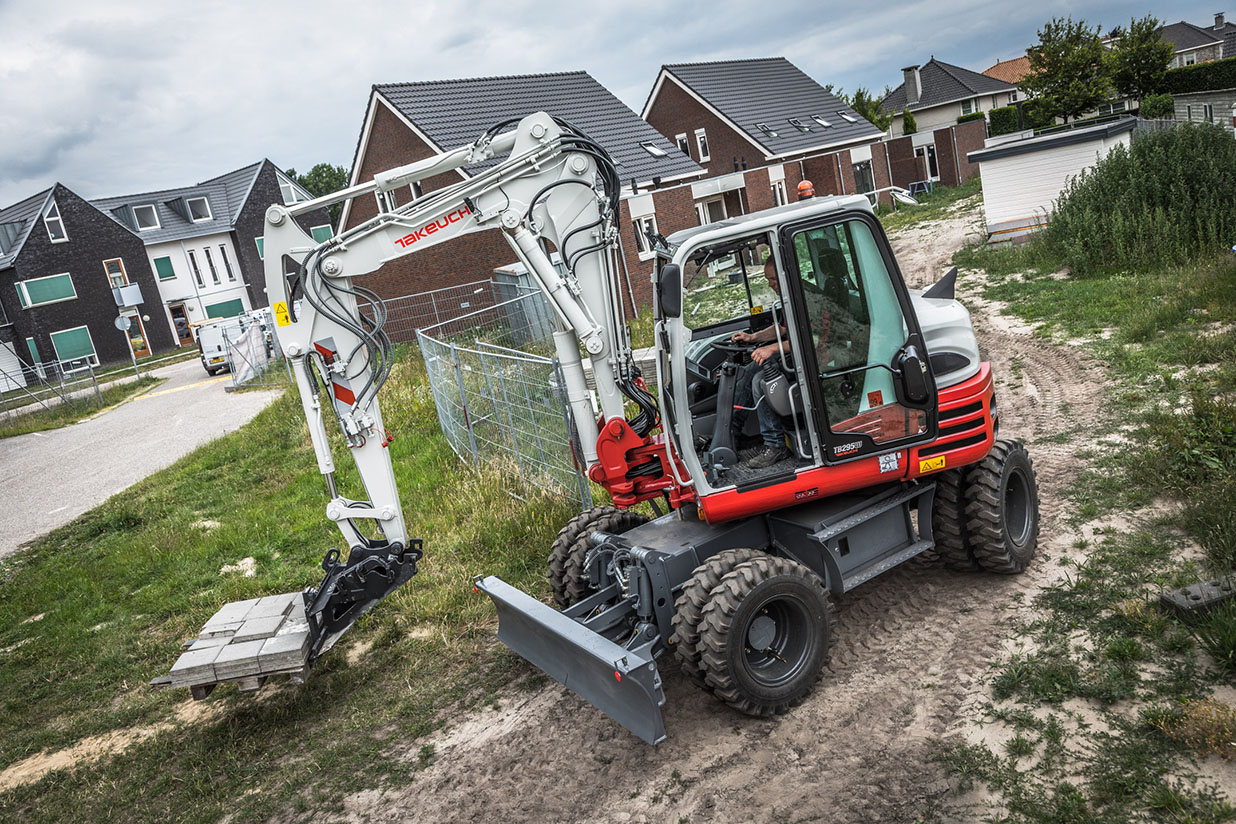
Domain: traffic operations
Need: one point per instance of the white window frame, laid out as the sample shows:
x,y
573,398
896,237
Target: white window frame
x,y
94,351
29,304
312,229
701,209
260,243
154,265
766,129
797,123
47,220
819,118
210,263
653,149
153,211
849,118
108,274
644,224
227,263
1190,59
780,198
967,107
297,192
195,269
701,145
683,144
189,205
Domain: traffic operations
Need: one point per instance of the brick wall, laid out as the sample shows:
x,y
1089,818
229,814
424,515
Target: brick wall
x,y
676,112
970,138
906,168
880,172
93,238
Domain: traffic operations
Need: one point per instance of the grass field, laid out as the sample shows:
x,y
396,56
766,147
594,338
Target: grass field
x,y
95,610
63,414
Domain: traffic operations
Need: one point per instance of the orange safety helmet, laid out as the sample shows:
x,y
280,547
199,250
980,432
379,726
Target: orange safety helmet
x,y
805,189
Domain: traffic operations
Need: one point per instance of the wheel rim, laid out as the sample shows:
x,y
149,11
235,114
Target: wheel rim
x,y
777,641
1017,507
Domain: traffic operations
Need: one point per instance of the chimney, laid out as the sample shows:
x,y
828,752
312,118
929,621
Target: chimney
x,y
914,86
1218,21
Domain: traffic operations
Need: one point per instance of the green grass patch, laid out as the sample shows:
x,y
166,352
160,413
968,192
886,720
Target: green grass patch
x,y
933,205
120,588
63,414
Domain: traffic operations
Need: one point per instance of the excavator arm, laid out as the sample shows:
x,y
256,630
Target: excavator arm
x,y
555,188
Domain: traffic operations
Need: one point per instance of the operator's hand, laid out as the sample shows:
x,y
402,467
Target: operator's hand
x,y
742,337
765,352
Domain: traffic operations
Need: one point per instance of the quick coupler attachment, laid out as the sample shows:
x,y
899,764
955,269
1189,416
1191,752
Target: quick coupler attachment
x,y
348,590
622,683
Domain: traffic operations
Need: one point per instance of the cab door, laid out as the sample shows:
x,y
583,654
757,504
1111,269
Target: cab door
x,y
873,390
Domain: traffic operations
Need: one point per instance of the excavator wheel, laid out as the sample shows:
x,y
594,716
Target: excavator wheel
x,y
1002,509
690,604
570,549
948,522
764,635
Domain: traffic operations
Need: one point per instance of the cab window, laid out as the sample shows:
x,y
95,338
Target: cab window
x,y
722,284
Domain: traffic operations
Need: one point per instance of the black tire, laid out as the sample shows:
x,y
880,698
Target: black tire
x,y
948,522
775,602
689,607
570,549
1002,509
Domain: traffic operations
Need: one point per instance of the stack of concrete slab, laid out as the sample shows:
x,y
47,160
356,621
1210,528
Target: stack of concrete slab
x,y
245,642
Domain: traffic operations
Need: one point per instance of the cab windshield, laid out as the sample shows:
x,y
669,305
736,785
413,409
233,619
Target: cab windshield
x,y
726,282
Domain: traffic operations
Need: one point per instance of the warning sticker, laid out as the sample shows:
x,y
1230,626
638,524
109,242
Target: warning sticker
x,y
931,465
755,310
875,399
282,317
890,462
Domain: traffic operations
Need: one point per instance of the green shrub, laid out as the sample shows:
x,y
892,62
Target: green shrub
x,y
966,118
1157,106
1002,120
1201,77
1169,196
908,124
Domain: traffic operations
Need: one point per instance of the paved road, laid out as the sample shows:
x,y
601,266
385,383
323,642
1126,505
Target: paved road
x,y
57,475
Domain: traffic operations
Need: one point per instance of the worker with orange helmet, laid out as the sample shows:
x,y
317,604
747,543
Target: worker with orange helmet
x,y
806,191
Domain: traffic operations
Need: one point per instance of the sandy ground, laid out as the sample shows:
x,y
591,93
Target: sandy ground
x,y
64,472
911,650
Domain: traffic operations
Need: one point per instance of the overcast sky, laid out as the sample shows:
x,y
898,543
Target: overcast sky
x,y
118,97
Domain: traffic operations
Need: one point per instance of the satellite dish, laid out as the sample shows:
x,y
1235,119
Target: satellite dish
x,y
905,197
123,323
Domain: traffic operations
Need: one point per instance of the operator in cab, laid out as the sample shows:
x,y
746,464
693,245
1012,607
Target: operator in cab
x,y
772,432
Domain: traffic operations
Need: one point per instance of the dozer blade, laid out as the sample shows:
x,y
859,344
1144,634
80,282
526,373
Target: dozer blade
x,y
624,685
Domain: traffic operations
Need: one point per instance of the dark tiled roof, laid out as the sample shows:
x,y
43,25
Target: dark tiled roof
x,y
771,91
1229,42
225,194
1185,36
944,83
454,113
23,216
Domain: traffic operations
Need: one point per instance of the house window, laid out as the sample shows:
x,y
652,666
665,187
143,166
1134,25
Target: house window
x,y
644,226
819,119
71,344
710,211
227,309
164,268
864,178
798,124
42,291
197,273
653,149
199,209
290,191
34,351
210,264
1190,59
261,244
928,154
701,143
763,127
54,224
684,145
968,107
778,193
146,217
1111,108
1013,96
847,117
115,272
322,233
227,263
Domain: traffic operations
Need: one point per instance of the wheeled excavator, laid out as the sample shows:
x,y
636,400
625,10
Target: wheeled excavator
x,y
887,415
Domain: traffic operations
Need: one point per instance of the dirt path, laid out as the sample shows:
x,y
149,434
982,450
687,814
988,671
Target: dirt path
x,y
910,653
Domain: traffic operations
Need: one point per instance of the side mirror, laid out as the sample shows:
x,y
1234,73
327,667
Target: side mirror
x,y
913,375
669,291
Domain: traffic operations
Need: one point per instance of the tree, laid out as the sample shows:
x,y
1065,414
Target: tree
x,y
866,105
908,124
1068,68
1138,61
323,179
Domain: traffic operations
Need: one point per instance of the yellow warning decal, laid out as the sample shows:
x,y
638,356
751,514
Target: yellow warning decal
x,y
281,314
931,465
755,310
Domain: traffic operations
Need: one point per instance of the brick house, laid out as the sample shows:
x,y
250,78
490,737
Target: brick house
x,y
405,122
60,258
1200,44
759,127
204,242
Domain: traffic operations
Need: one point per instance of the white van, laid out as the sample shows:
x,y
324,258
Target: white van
x,y
213,335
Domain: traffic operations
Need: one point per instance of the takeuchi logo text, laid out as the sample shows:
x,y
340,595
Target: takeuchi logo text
x,y
433,226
